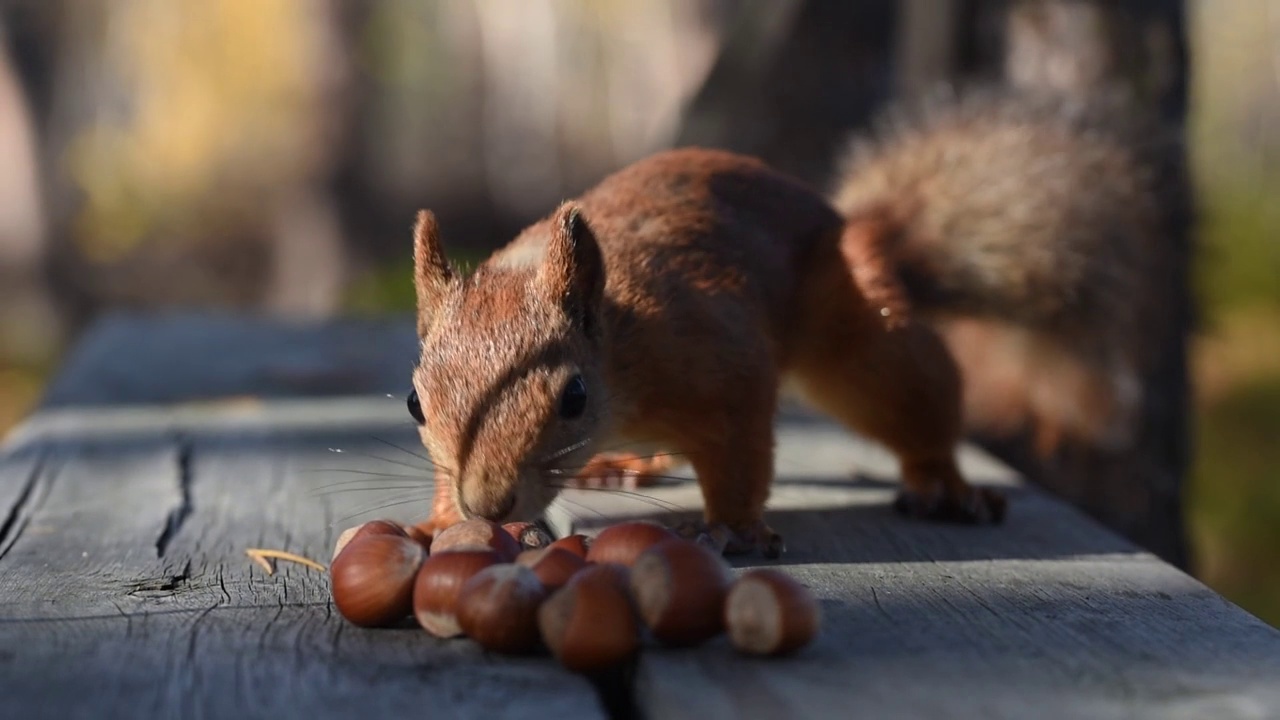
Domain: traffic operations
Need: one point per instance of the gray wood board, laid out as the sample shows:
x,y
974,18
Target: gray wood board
x,y
1049,615
135,358
125,590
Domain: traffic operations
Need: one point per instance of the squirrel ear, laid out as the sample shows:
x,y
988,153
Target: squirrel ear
x,y
573,269
431,273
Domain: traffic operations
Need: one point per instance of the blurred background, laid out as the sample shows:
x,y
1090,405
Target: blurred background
x,y
267,156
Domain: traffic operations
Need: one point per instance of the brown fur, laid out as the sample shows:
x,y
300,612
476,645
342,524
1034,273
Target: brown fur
x,y
1027,230
719,277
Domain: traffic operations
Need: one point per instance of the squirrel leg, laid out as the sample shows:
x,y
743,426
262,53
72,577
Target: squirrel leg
x,y
623,471
901,388
734,473
444,510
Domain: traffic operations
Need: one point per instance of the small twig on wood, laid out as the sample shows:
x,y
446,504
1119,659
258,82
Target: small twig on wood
x,y
260,555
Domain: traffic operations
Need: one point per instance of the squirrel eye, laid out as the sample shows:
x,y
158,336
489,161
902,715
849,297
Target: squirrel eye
x,y
415,407
573,401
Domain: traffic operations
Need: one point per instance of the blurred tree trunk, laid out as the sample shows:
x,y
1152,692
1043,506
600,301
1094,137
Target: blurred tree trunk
x,y
793,79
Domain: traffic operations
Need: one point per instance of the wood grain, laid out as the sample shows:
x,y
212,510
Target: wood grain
x,y
1049,615
127,592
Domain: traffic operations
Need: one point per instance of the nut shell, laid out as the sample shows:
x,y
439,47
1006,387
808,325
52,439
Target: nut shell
x,y
373,579
768,613
624,542
440,582
553,565
590,624
476,534
576,544
679,589
498,608
529,535
373,527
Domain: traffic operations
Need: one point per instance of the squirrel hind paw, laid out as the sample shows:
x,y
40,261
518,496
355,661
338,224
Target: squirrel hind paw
x,y
977,506
735,540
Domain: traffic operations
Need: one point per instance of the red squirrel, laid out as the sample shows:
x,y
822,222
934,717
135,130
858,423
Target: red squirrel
x,y
667,306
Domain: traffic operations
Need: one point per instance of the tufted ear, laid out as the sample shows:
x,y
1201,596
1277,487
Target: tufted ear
x,y
431,272
572,271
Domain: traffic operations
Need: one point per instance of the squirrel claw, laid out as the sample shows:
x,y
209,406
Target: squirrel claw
x,y
727,540
616,471
978,506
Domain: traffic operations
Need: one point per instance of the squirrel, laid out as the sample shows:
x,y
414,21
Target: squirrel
x,y
1026,228
669,305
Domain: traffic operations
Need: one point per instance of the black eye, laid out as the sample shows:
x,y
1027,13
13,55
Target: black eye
x,y
573,401
415,407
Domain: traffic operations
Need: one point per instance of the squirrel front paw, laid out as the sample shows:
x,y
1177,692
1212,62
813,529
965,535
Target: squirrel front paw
x,y
618,471
729,539
975,506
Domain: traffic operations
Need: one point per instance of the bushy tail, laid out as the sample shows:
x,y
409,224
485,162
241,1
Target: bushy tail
x,y
1028,231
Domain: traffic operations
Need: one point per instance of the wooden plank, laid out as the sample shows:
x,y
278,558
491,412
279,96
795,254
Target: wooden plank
x,y
182,356
1047,616
129,594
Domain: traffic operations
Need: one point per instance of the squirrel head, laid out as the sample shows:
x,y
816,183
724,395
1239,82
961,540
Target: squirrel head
x,y
509,386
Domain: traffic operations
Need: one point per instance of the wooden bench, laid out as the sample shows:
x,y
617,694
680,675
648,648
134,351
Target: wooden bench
x,y
168,445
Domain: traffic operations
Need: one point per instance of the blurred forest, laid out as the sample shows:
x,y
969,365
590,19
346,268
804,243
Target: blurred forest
x,y
267,156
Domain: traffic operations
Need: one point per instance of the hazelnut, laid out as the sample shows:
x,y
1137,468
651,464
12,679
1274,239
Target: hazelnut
x,y
373,578
476,534
373,527
623,543
440,581
576,544
553,565
679,588
529,535
418,535
590,624
498,608
768,613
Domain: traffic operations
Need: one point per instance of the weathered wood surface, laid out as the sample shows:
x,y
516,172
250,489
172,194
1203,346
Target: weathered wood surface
x,y
125,592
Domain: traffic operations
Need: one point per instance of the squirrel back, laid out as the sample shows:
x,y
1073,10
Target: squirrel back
x,y
1028,228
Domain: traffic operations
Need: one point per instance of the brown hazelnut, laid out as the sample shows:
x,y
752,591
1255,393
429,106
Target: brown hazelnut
x,y
476,534
373,578
576,544
418,535
439,582
498,608
623,543
553,565
529,535
373,527
768,613
590,624
679,588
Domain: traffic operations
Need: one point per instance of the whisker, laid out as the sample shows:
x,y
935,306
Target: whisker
x,y
583,507
648,499
406,451
375,508
375,457
340,491
567,449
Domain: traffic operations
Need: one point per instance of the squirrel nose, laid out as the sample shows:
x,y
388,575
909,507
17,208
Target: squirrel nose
x,y
487,503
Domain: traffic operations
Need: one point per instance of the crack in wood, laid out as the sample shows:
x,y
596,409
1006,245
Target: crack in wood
x,y
16,519
163,586
179,514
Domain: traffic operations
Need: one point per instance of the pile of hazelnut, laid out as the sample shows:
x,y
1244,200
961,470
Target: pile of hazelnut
x,y
514,590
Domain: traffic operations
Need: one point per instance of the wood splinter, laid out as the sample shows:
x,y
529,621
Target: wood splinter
x,y
260,555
